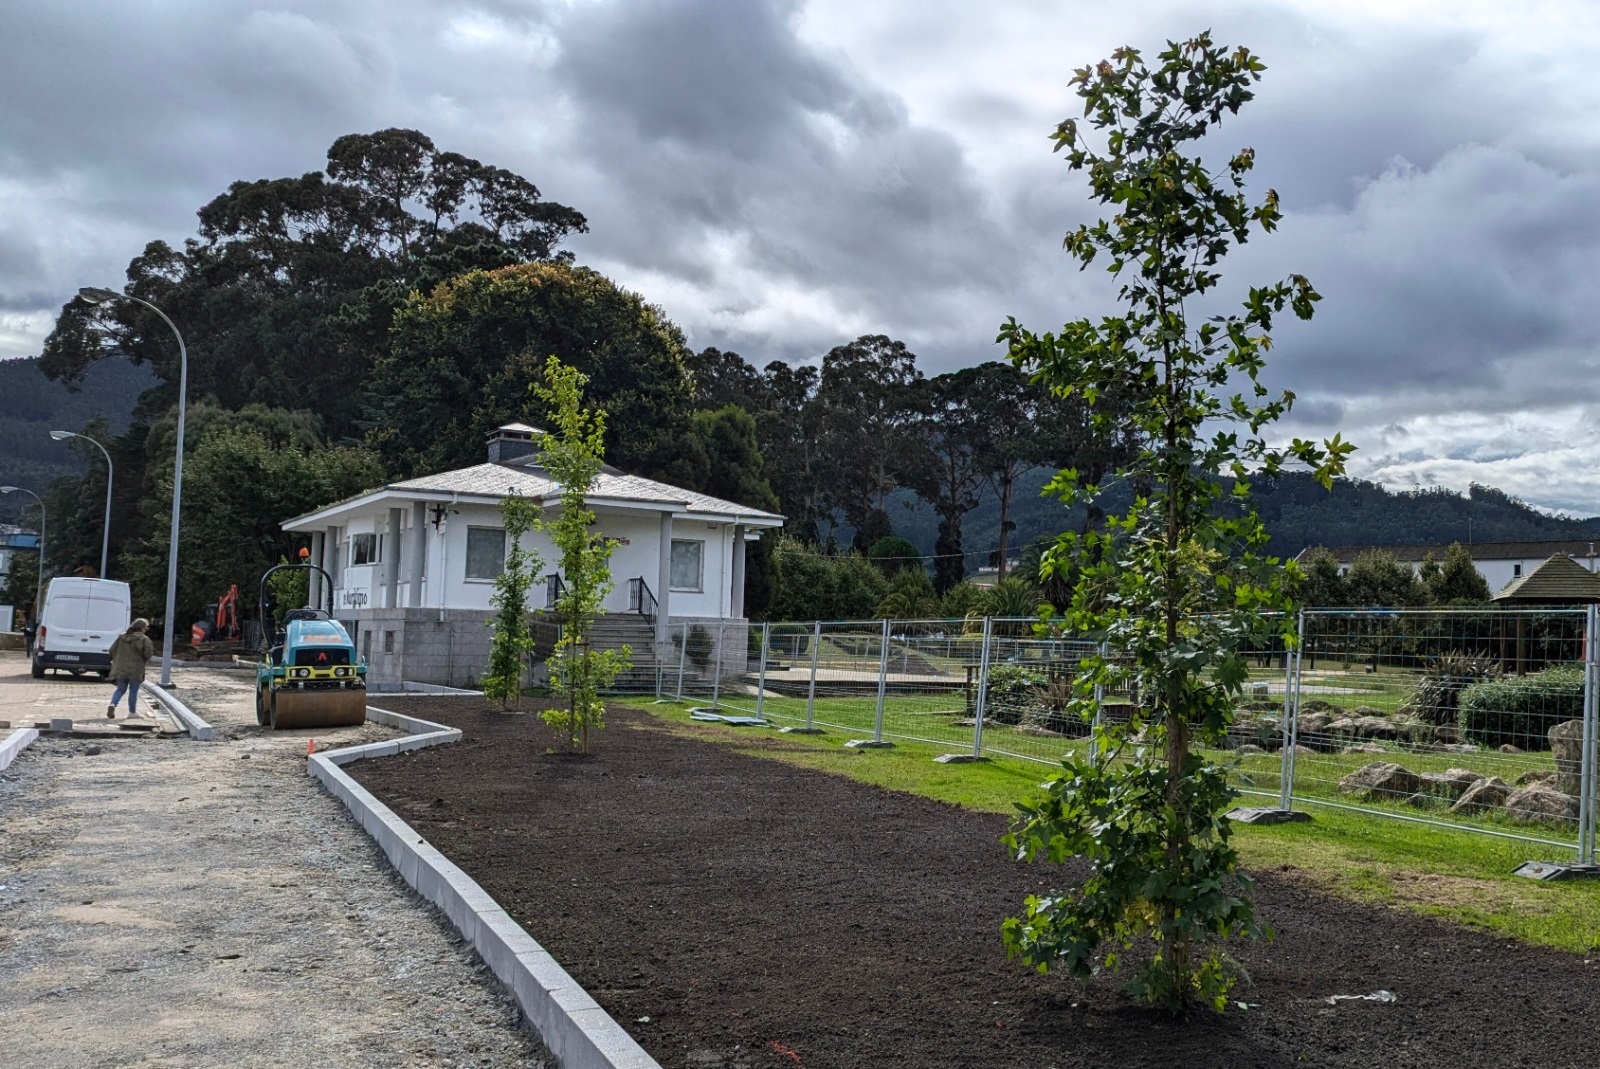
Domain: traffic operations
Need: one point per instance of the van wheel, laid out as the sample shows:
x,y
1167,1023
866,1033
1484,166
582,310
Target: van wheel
x,y
38,670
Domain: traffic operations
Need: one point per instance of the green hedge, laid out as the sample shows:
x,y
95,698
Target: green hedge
x,y
1521,710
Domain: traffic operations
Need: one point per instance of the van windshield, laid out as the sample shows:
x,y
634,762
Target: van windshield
x,y
106,615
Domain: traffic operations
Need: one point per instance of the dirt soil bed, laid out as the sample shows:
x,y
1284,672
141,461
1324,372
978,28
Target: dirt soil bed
x,y
733,911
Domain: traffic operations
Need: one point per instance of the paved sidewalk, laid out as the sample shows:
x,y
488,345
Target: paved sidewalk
x,y
166,902
23,698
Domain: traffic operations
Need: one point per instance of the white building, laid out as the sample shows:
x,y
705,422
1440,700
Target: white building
x,y
1498,562
14,540
413,563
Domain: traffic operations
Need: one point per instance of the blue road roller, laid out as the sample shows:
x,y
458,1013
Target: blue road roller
x,y
310,675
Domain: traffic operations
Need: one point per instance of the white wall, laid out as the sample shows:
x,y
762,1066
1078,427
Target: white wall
x,y
1500,573
447,556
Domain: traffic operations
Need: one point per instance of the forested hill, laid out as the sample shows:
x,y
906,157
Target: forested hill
x,y
1299,513
31,406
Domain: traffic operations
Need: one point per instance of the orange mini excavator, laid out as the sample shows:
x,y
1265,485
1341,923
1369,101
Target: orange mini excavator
x,y
221,621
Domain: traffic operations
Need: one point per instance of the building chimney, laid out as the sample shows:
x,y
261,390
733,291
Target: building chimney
x,y
512,442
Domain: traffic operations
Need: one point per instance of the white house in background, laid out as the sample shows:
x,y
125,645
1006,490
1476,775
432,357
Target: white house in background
x,y
1498,562
413,563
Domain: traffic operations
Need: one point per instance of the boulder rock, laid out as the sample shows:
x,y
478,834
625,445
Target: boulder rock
x,y
1452,783
1364,747
1248,749
1381,780
1566,740
1506,747
1305,751
1376,727
1367,710
1446,733
1487,793
1538,804
1536,775
1317,721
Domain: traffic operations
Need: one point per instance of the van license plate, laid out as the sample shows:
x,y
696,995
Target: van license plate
x,y
66,656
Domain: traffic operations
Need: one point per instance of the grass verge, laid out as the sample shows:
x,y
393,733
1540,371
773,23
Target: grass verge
x,y
1457,876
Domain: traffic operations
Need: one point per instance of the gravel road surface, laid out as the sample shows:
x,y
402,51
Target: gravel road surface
x,y
165,902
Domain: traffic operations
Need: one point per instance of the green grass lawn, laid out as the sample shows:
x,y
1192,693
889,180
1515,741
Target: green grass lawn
x,y
935,718
1456,875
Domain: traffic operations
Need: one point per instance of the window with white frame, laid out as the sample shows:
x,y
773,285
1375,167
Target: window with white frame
x,y
486,552
364,549
688,565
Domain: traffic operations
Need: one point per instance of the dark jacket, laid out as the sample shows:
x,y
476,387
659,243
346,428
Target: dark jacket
x,y
129,653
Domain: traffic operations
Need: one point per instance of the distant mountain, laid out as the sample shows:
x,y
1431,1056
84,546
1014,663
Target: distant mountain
x,y
1298,512
31,406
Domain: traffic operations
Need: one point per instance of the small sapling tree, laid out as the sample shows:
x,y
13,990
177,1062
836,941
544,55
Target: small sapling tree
x,y
1179,584
512,637
573,454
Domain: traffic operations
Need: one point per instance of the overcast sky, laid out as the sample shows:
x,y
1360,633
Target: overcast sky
x,y
782,176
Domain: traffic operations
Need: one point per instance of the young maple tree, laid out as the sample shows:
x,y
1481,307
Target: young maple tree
x,y
1181,583
512,635
574,454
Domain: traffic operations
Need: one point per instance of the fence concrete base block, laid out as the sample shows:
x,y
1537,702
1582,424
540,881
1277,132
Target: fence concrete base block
x,y
186,717
61,723
801,731
1555,870
869,744
1268,815
958,759
14,743
579,1033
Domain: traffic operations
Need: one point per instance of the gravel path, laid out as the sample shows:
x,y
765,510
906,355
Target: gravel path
x,y
174,903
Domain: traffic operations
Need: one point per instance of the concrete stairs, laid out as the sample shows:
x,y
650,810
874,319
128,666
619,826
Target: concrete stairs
x,y
613,631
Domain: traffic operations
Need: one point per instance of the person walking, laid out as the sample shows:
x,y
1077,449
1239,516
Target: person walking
x,y
130,652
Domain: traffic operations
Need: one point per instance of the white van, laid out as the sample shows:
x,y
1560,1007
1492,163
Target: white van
x,y
81,618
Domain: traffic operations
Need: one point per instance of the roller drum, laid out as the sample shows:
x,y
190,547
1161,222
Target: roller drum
x,y
293,708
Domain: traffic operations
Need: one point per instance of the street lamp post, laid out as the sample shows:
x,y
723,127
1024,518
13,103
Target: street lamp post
x,y
105,536
38,575
94,295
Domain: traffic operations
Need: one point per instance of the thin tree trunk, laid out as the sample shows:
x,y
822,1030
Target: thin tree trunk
x,y
1007,485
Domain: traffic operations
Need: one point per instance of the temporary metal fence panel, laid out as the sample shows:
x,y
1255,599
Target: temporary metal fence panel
x,y
1476,718
1481,719
902,680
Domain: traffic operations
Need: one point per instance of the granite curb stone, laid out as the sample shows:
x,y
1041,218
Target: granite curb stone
x,y
576,1029
191,721
18,740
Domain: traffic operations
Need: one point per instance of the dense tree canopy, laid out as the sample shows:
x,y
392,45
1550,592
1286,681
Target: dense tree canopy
x,y
291,282
462,360
244,474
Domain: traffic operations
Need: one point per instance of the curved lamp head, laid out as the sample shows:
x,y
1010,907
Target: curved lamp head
x,y
8,489
62,436
96,295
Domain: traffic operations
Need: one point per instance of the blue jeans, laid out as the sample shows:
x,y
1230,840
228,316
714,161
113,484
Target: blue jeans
x,y
131,687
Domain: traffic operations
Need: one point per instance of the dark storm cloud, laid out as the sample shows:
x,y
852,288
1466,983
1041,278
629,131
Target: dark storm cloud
x,y
748,158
